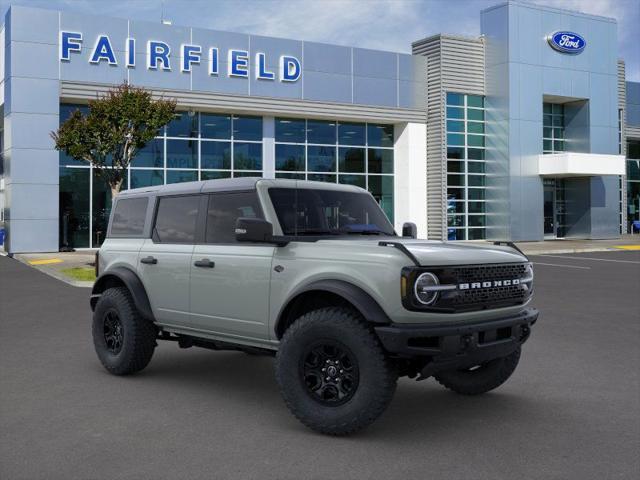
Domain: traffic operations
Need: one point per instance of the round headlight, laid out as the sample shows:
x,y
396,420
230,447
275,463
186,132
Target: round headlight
x,y
423,288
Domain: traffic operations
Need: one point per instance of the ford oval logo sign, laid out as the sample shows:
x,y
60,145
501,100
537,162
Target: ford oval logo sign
x,y
567,42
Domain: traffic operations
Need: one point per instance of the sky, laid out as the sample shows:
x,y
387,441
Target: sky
x,y
378,24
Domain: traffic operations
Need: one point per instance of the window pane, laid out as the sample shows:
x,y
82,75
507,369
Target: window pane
x,y
633,169
454,112
455,139
475,153
74,207
351,133
455,126
292,176
151,155
455,193
557,108
547,132
455,180
455,220
66,109
475,140
290,157
247,128
381,187
224,209
146,178
380,135
204,175
245,173
455,207
547,145
558,133
247,156
101,203
476,234
67,160
455,98
351,160
547,120
455,152
319,131
182,154
215,155
476,207
558,145
475,101
476,167
558,121
476,193
321,159
179,176
455,167
176,219
290,130
477,115
456,234
475,127
357,180
215,126
476,220
322,178
183,125
633,149
546,108
129,216
476,180
380,161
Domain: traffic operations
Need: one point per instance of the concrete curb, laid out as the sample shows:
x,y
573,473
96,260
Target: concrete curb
x,y
571,250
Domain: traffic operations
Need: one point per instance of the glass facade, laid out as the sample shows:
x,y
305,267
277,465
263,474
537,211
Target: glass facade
x,y
194,146
466,173
552,128
633,182
344,152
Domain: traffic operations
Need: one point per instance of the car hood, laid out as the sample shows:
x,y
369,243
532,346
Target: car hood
x,y
433,253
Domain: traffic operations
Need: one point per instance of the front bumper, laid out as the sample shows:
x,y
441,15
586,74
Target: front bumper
x,y
449,347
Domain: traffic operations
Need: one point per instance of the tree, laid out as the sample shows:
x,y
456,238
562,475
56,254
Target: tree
x,y
117,126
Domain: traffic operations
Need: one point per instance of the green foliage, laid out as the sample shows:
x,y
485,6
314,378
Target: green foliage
x,y
117,126
84,274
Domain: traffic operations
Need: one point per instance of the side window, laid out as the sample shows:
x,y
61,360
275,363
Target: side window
x,y
176,219
128,217
224,209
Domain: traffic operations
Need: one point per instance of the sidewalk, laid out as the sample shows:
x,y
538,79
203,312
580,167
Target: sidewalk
x,y
55,264
626,242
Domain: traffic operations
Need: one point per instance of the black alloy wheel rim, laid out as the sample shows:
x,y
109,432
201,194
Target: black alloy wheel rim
x,y
113,332
330,373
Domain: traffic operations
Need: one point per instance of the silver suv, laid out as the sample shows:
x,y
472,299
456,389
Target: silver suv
x,y
314,274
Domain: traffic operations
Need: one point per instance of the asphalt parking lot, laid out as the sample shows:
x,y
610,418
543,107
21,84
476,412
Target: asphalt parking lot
x,y
571,410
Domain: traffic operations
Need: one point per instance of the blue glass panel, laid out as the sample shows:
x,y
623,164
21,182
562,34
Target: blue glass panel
x,y
184,124
455,139
455,113
380,161
319,131
455,126
322,178
351,133
215,126
247,156
204,175
321,159
74,207
179,176
379,135
182,154
151,155
247,128
215,155
146,178
381,187
455,98
351,160
290,157
290,130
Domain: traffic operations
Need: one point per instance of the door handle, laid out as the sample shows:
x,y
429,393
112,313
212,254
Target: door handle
x,y
149,260
205,263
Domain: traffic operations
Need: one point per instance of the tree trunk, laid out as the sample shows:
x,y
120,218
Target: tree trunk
x,y
115,189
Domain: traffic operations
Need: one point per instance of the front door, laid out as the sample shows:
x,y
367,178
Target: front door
x,y
554,208
230,280
164,262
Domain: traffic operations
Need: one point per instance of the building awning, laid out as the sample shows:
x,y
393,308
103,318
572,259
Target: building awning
x,y
573,164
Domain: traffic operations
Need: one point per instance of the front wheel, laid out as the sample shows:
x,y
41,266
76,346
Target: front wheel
x,y
333,373
480,378
123,339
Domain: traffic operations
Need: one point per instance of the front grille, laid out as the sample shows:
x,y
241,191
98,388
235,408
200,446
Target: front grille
x,y
481,273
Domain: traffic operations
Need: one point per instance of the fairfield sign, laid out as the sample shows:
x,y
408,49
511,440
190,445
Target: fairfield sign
x,y
159,56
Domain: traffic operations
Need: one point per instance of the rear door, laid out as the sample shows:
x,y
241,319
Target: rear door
x,y
230,280
164,261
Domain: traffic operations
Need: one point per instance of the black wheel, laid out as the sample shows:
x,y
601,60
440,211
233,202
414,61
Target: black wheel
x,y
332,372
124,341
481,378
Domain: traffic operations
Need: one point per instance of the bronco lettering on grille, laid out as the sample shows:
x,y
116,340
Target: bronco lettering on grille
x,y
489,284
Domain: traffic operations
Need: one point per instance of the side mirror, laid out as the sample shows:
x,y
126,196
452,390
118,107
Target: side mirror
x,y
409,230
256,230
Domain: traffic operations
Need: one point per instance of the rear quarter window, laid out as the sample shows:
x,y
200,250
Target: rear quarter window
x,y
129,216
176,219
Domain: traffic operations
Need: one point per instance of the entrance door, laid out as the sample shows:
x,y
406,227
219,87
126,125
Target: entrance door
x,y
555,208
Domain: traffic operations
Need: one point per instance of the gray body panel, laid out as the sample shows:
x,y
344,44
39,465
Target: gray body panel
x,y
241,299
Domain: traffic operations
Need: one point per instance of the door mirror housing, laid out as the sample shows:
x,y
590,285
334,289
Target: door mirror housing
x,y
409,230
256,230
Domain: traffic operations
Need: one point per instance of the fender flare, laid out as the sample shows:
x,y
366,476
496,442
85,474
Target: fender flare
x,y
361,300
133,284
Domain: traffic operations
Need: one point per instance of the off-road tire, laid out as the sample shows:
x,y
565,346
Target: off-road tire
x,y
376,382
482,379
138,335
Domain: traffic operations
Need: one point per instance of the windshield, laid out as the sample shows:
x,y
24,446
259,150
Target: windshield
x,y
328,212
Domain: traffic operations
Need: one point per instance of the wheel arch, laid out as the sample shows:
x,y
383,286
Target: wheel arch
x,y
123,277
329,293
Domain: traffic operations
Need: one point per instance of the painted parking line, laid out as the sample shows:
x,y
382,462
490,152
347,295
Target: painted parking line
x,y
589,258
47,261
559,265
627,247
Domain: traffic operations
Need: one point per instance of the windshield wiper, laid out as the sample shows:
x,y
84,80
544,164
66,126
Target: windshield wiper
x,y
365,232
316,231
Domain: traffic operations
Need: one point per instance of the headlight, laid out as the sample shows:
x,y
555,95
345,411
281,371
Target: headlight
x,y
425,288
527,280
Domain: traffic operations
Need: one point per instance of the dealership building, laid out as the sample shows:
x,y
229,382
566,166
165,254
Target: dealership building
x,y
527,132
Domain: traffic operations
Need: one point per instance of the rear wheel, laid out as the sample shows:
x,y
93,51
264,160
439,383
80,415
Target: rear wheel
x,y
480,378
333,373
123,339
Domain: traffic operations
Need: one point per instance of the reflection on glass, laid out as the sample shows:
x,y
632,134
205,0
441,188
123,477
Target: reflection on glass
x,y
215,126
184,124
74,207
182,154
381,187
290,130
179,176
351,133
247,127
379,135
321,159
290,157
322,178
101,207
351,160
455,98
215,155
151,155
320,131
247,156
380,161
357,180
146,178
205,175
